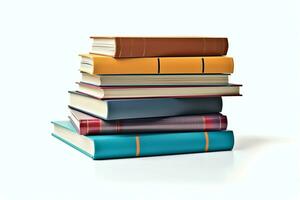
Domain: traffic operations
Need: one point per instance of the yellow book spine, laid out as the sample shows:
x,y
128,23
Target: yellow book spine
x,y
218,65
196,65
109,65
161,65
180,65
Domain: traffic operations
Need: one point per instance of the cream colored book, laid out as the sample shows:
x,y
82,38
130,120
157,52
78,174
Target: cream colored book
x,y
163,79
107,92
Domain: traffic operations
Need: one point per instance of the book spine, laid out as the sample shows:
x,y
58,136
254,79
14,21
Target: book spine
x,y
196,65
122,146
109,65
162,107
162,47
163,65
168,124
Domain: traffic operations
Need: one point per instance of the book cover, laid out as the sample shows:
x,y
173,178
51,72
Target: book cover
x,y
126,47
89,125
139,145
97,64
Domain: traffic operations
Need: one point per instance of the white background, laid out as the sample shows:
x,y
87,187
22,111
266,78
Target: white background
x,y
39,45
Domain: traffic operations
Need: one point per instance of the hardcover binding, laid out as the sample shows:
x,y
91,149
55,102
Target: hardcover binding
x,y
152,144
162,65
154,107
97,126
129,47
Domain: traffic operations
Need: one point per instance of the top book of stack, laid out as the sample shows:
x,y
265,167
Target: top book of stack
x,y
133,47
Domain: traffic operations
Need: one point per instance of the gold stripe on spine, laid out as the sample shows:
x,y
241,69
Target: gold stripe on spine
x,y
87,126
100,128
137,144
204,122
206,141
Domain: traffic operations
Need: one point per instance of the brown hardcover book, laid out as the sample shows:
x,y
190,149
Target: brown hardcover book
x,y
130,47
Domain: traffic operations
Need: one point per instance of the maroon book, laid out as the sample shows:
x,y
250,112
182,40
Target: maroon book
x,y
89,125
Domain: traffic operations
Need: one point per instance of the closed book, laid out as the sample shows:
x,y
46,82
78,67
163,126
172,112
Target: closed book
x,y
89,125
114,109
139,145
117,92
127,47
154,79
97,64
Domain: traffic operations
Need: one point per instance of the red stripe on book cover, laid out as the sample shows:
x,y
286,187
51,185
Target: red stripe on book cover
x,y
90,126
213,122
83,127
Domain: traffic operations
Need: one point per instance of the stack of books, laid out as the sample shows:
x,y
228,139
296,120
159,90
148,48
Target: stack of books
x,y
146,96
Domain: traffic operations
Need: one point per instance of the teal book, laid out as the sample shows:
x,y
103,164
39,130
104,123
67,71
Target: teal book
x,y
138,145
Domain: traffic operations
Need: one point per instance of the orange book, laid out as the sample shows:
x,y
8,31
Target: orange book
x,y
97,64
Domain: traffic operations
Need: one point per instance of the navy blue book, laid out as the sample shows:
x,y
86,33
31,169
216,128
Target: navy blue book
x,y
115,109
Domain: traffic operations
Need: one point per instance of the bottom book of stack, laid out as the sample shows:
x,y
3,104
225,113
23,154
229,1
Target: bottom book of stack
x,y
124,144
